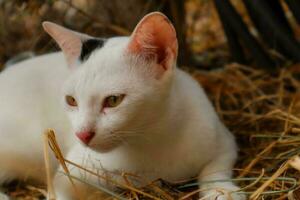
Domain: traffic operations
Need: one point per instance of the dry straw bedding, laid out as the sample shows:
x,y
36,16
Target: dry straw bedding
x,y
262,110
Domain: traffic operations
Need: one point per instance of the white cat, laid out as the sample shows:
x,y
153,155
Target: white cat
x,y
128,104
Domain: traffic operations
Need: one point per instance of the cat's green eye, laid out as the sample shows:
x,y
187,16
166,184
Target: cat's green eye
x,y
71,101
113,101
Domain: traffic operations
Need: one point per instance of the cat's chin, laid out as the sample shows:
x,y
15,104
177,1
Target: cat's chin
x,y
104,147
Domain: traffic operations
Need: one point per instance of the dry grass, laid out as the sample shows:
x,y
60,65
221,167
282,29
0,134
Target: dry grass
x,y
262,110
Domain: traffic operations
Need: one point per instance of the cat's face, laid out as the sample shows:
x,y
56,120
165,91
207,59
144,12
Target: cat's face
x,y
118,89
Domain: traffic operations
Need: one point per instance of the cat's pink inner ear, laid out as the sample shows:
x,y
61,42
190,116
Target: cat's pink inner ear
x,y
155,38
69,41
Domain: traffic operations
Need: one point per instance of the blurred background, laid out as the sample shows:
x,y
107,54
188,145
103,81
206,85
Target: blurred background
x,y
197,23
200,32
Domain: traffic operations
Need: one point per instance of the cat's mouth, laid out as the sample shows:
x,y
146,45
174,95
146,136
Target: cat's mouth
x,y
104,144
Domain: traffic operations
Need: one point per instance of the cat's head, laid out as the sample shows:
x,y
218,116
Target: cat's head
x,y
119,87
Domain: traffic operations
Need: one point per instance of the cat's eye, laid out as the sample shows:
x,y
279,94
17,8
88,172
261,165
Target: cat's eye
x,y
113,101
71,101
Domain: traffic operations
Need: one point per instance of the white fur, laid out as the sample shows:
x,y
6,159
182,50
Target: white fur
x,y
164,128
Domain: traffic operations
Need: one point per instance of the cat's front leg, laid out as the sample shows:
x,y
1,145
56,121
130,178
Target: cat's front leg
x,y
85,185
62,186
219,168
64,190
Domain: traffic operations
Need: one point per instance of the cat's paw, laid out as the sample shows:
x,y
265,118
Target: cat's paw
x,y
4,196
226,191
217,195
231,196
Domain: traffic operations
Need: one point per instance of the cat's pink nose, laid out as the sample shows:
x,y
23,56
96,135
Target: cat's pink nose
x,y
85,136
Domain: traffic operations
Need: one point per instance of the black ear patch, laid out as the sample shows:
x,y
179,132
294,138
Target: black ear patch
x,y
89,46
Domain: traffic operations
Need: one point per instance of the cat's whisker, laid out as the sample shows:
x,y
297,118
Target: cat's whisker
x,y
130,134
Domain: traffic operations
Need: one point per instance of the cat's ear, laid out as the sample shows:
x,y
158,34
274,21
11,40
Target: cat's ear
x,y
154,39
69,41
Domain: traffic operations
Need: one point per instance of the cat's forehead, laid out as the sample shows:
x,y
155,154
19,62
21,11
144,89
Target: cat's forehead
x,y
103,51
116,41
94,45
100,81
106,68
108,58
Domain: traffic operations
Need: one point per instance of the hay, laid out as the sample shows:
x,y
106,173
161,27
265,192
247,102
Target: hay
x,y
262,110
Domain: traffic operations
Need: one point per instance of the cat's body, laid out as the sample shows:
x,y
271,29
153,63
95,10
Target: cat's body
x,y
162,126
30,103
170,146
